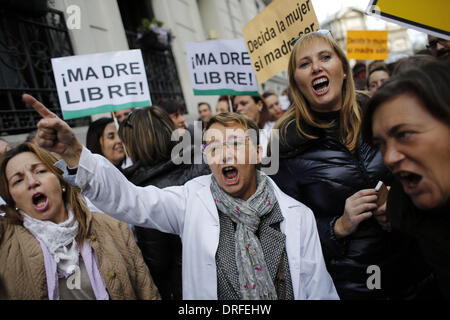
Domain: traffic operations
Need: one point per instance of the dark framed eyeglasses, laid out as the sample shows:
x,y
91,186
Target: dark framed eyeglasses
x,y
237,142
321,31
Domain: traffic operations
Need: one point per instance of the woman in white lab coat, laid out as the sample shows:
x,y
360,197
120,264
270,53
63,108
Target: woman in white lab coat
x,y
277,248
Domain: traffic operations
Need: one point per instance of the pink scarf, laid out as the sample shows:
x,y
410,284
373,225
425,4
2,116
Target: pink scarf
x,y
90,261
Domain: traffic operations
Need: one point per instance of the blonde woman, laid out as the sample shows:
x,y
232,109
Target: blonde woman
x,y
52,247
324,164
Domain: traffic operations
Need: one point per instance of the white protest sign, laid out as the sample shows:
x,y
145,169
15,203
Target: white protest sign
x,y
221,67
102,82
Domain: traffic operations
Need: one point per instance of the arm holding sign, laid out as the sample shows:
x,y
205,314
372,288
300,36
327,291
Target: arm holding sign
x,y
104,185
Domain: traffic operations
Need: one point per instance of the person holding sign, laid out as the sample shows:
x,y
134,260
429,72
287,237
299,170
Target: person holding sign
x,y
53,247
324,164
242,237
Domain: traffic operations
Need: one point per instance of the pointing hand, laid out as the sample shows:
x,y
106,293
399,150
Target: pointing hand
x,y
54,134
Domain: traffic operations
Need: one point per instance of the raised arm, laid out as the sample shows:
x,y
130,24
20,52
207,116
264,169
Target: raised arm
x,y
108,189
54,134
105,186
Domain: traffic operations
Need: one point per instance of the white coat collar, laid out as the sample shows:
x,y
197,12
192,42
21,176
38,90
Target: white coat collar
x,y
291,210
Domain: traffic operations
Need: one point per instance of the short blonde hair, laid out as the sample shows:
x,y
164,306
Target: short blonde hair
x,y
228,119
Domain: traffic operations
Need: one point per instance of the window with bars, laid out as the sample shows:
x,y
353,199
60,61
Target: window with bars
x,y
27,43
162,74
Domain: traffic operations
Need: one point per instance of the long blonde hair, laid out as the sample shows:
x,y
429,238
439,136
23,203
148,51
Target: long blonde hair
x,y
71,196
350,119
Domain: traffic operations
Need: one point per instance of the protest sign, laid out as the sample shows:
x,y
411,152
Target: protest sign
x,y
102,82
367,45
425,16
221,67
269,35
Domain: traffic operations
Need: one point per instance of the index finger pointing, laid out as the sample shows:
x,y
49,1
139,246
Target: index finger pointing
x,y
39,107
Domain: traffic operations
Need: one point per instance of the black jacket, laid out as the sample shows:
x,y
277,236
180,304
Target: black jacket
x,y
322,173
162,251
431,229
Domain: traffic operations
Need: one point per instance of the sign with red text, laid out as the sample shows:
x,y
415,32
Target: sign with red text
x,y
101,82
221,67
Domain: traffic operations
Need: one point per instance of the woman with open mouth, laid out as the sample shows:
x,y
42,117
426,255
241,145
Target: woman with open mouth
x,y
52,247
409,121
324,164
242,237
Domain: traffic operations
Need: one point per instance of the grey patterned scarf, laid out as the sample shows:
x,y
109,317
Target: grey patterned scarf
x,y
254,278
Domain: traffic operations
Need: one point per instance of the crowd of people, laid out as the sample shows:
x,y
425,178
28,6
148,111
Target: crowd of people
x,y
125,216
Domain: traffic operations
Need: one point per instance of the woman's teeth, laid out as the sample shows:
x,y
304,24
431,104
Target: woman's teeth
x,y
40,204
40,201
319,81
230,172
320,85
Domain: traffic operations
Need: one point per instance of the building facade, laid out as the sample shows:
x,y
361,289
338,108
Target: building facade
x,y
34,31
202,20
399,44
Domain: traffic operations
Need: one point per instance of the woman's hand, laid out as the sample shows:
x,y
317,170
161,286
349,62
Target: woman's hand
x,y
380,216
358,208
54,134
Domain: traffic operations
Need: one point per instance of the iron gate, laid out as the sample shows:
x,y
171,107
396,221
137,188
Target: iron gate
x,y
27,44
162,75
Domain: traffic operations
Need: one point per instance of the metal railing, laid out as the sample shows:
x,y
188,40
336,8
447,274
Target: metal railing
x,y
162,75
26,46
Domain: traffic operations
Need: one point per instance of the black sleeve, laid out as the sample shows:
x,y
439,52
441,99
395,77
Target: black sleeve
x,y
331,246
286,180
